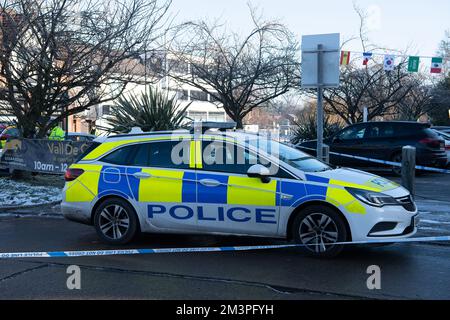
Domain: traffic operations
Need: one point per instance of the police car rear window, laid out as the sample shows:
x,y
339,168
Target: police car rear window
x,y
155,154
122,156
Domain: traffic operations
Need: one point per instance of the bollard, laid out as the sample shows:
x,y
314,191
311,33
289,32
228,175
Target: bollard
x,y
326,153
409,168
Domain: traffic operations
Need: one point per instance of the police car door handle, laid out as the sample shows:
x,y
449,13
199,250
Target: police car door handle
x,y
142,175
210,183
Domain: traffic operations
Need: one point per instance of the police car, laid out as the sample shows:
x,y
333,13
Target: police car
x,y
233,183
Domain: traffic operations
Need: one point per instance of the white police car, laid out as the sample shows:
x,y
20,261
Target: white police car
x,y
230,183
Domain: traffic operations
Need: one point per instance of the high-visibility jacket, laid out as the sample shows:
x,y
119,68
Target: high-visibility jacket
x,y
57,134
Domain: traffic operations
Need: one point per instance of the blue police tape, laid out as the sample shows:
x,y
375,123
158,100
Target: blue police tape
x,y
396,164
60,254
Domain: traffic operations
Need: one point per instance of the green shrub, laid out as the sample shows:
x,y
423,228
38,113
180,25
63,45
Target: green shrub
x,y
150,111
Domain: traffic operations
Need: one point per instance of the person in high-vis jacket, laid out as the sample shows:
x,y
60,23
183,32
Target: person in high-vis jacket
x,y
57,133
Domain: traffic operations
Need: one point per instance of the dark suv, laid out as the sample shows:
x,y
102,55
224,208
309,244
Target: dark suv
x,y
384,141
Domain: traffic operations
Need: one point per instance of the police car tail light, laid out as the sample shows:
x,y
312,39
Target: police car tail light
x,y
73,174
375,199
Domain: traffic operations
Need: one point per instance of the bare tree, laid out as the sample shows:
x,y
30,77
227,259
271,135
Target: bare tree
x,y
60,57
374,88
418,101
288,103
444,48
239,72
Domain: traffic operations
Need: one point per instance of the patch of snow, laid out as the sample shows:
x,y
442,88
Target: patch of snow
x,y
18,193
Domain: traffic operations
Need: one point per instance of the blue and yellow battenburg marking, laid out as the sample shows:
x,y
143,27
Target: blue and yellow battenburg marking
x,y
175,186
172,186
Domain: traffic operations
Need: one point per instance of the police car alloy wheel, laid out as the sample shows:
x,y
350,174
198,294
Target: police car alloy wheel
x,y
115,221
318,228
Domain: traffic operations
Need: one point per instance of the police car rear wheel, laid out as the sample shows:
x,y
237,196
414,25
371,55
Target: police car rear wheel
x,y
115,221
318,228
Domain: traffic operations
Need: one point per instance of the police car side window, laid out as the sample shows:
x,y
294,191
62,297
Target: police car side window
x,y
121,156
140,156
230,158
224,157
156,154
161,155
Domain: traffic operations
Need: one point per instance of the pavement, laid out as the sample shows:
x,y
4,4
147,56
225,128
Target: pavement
x,y
408,271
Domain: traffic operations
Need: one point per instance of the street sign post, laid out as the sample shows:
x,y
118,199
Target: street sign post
x,y
320,69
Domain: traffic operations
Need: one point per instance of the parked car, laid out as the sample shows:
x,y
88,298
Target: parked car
x,y
446,137
444,129
78,136
127,184
384,141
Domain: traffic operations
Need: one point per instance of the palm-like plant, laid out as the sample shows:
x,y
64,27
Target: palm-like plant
x,y
306,128
151,111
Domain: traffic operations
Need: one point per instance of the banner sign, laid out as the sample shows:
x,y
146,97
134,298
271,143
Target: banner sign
x,y
46,156
328,72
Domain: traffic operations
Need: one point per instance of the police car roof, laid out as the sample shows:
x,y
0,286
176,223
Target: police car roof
x,y
178,133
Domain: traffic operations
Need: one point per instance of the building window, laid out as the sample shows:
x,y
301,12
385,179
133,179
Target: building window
x,y
183,95
199,95
214,99
106,110
196,69
216,116
198,115
179,67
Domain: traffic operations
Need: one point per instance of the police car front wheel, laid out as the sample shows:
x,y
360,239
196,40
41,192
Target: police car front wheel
x,y
115,221
318,228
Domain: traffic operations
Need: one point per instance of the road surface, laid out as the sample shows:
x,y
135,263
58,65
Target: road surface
x,y
408,271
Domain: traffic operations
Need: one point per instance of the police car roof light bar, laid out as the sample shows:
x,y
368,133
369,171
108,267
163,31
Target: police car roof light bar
x,y
203,126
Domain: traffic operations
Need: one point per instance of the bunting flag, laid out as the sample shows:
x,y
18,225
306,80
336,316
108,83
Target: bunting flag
x,y
436,65
413,64
367,56
389,62
345,58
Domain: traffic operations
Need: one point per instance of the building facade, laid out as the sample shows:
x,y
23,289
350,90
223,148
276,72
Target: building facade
x,y
201,106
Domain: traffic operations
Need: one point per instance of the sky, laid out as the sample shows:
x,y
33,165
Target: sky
x,y
414,25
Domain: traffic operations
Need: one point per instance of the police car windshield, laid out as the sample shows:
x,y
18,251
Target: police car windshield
x,y
291,156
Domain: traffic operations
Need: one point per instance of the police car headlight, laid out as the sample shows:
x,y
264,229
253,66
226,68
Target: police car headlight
x,y
375,199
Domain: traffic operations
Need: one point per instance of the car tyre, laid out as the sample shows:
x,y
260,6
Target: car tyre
x,y
317,228
116,222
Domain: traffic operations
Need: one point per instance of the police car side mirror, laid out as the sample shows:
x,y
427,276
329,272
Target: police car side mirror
x,y
259,171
